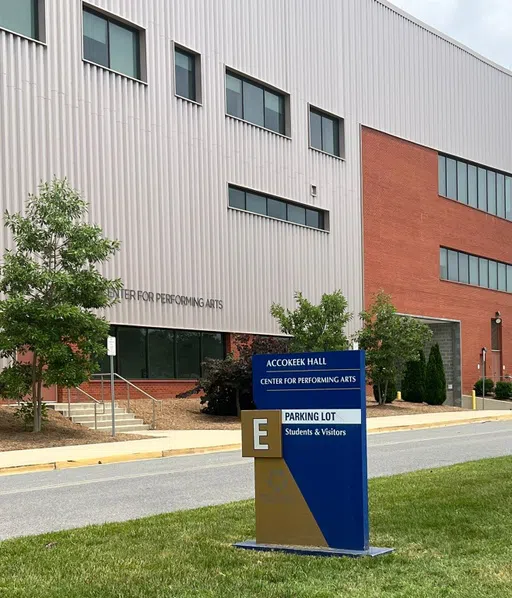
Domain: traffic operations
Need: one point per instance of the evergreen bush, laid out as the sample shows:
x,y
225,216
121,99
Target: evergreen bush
x,y
435,378
503,390
413,384
489,386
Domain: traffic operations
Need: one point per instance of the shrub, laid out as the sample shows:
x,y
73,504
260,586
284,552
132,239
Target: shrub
x,y
227,383
25,412
435,378
413,385
503,390
390,394
478,387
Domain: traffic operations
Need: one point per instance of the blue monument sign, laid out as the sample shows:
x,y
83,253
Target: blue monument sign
x,y
308,438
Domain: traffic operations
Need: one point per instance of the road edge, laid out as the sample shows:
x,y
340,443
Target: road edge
x,y
58,465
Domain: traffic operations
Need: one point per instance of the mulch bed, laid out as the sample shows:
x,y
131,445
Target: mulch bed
x,y
57,431
185,414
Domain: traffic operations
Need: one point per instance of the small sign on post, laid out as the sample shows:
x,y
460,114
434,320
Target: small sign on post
x,y
111,352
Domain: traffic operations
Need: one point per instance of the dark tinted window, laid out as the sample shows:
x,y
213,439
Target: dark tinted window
x,y
255,103
324,132
19,16
188,354
161,353
185,74
131,352
237,198
276,208
111,44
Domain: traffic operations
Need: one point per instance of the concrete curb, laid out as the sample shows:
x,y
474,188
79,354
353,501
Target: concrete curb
x,y
51,466
19,469
445,424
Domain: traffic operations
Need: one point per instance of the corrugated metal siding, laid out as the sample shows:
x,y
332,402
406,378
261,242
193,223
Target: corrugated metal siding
x,y
155,168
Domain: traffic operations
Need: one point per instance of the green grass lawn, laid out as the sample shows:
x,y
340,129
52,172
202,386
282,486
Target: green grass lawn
x,y
452,530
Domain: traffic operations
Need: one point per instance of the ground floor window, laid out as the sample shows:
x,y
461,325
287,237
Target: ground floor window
x,y
163,354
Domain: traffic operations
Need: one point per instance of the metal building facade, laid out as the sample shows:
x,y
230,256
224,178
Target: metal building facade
x,y
156,168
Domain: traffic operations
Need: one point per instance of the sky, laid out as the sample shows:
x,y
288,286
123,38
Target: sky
x,y
483,25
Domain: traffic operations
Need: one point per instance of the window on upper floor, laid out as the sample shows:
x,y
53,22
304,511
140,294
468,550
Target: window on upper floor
x,y
21,16
255,103
326,132
111,43
275,207
476,186
187,72
458,266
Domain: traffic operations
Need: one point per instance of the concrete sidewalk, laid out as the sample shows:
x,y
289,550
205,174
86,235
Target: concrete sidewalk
x,y
166,443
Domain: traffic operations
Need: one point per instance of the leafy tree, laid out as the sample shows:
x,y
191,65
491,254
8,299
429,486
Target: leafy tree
x,y
413,384
51,290
315,327
227,383
390,341
435,385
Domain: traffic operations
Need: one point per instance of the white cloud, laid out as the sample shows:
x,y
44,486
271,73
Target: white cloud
x,y
483,25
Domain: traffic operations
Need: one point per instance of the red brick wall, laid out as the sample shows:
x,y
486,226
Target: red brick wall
x,y
406,222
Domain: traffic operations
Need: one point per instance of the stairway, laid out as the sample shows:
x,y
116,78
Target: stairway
x,y
83,413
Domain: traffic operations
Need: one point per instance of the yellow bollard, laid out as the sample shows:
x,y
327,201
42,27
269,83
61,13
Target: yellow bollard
x,y
399,396
473,396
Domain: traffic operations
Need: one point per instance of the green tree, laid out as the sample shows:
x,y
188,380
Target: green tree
x,y
315,327
390,341
413,384
52,289
435,384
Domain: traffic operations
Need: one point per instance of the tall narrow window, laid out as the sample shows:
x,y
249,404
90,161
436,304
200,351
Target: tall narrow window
x,y
508,198
472,186
509,279
462,182
444,264
442,175
500,195
502,277
451,178
186,86
464,268
491,192
20,16
453,265
255,103
473,270
111,44
482,189
324,132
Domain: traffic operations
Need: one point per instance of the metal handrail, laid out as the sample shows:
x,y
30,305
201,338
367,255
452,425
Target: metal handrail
x,y
132,385
96,403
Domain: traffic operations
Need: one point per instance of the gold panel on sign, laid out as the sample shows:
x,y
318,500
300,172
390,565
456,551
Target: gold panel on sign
x,y
282,515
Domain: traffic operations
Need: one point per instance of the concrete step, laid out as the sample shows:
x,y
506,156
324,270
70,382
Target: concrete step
x,y
89,410
126,428
89,418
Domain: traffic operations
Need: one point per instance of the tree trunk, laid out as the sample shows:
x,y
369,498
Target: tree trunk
x,y
383,397
35,423
40,398
238,409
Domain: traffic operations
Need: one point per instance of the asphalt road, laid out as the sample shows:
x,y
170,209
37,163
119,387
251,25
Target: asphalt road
x,y
49,501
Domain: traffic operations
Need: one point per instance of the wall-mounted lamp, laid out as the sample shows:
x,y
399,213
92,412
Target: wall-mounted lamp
x,y
498,317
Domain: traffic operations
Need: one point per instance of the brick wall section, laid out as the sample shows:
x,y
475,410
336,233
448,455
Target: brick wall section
x,y
158,389
405,223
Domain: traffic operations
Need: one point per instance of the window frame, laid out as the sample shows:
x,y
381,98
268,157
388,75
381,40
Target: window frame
x,y
242,77
323,214
122,23
341,131
489,194
506,269
39,25
198,100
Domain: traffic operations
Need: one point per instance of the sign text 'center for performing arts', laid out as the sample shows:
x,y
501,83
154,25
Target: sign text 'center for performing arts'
x,y
167,298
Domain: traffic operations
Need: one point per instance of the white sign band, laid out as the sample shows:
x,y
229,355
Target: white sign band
x,y
305,417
